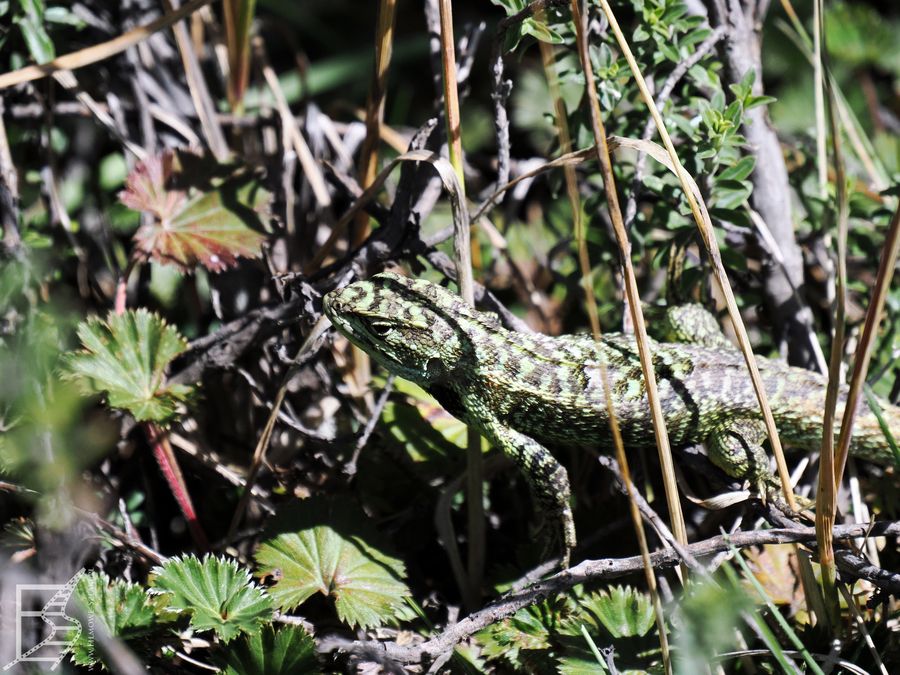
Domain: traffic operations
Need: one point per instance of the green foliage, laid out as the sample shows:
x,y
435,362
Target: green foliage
x,y
525,636
43,442
216,593
329,547
711,614
561,635
125,610
32,18
529,26
125,358
858,34
183,213
281,650
622,610
31,22
205,213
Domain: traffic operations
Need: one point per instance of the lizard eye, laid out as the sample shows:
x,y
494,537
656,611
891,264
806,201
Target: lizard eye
x,y
381,329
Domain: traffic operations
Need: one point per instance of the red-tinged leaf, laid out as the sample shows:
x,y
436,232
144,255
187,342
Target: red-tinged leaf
x,y
148,187
205,214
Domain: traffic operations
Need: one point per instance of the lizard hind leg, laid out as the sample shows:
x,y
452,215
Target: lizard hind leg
x,y
736,447
693,324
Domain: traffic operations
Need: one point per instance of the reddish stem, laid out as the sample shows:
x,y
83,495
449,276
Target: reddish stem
x,y
168,464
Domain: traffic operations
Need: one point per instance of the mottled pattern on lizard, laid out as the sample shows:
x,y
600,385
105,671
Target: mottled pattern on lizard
x,y
524,390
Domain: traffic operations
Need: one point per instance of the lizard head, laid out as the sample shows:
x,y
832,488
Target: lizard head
x,y
409,326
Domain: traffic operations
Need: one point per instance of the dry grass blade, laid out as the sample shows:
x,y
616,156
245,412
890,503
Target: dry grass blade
x,y
874,314
374,118
462,254
361,373
238,17
104,50
565,144
634,305
826,497
203,103
850,124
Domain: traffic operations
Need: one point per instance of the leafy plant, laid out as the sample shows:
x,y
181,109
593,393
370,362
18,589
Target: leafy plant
x,y
551,635
329,547
622,610
125,358
281,650
217,594
125,610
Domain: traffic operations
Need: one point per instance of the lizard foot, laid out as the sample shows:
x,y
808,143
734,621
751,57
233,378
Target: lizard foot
x,y
736,448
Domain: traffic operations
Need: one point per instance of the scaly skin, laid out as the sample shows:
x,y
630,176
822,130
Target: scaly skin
x,y
524,390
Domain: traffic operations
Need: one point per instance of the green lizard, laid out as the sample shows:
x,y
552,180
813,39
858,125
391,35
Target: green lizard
x,y
524,390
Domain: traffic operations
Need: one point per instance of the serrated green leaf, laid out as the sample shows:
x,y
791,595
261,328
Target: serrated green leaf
x,y
125,358
125,610
623,611
330,547
284,650
218,594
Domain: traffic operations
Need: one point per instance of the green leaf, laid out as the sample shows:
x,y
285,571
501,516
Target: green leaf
x,y
755,101
541,31
204,213
63,16
623,611
284,650
218,594
330,547
125,358
31,24
738,171
125,610
527,630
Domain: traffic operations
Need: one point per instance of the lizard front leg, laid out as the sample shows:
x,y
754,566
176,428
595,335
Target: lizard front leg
x,y
547,478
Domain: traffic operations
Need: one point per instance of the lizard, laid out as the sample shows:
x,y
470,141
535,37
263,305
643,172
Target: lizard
x,y
523,391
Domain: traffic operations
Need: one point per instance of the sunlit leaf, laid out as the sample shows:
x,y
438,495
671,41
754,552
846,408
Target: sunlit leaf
x,y
125,358
329,547
203,213
126,611
216,593
623,611
31,23
284,650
